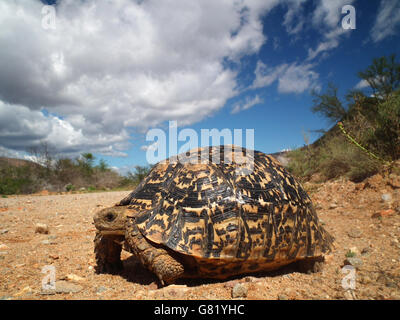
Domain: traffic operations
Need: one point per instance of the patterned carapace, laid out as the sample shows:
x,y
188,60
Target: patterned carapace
x,y
228,222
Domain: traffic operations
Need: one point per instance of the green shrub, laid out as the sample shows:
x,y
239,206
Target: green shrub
x,y
70,187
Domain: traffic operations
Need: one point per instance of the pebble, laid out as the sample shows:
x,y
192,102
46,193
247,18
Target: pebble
x,y
365,250
282,297
333,206
3,246
64,287
3,231
383,213
239,291
349,295
73,277
355,233
46,241
353,261
101,289
24,291
42,228
175,291
386,197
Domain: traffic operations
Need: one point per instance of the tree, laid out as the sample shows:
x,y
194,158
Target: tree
x,y
328,104
138,175
383,76
102,166
86,163
42,154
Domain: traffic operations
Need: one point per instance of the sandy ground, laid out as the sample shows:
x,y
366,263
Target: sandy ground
x,y
364,218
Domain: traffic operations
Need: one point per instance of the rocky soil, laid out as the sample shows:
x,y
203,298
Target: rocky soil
x,y
364,218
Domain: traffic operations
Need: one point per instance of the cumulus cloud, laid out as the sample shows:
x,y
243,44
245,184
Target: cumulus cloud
x,y
113,67
21,128
387,20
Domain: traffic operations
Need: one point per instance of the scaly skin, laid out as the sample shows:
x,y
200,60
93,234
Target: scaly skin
x,y
110,223
154,257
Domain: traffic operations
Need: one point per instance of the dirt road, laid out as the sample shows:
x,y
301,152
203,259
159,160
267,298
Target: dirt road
x,y
364,218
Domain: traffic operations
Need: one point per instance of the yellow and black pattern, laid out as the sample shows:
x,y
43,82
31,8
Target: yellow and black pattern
x,y
228,221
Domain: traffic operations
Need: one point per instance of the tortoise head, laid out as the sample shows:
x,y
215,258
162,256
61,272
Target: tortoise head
x,y
111,221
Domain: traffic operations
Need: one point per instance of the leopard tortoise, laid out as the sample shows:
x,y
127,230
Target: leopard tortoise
x,y
206,219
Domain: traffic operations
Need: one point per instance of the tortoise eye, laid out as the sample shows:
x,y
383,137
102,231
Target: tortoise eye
x,y
110,217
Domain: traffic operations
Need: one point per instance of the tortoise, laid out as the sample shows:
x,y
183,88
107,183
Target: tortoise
x,y
206,219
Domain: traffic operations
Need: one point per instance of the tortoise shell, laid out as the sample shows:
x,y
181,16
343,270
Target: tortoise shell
x,y
210,211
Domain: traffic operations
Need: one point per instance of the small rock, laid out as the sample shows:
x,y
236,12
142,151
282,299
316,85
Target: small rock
x,y
48,242
24,291
383,213
3,246
6,298
239,291
73,277
101,289
349,295
54,256
175,291
42,228
67,287
3,231
52,237
353,261
282,297
153,286
386,197
355,233
365,250
365,279
332,206
230,284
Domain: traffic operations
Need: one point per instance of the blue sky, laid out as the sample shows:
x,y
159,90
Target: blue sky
x,y
104,75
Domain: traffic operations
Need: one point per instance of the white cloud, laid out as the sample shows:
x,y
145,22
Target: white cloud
x,y
292,78
21,128
293,19
297,79
387,20
327,20
110,67
265,75
150,147
362,84
247,104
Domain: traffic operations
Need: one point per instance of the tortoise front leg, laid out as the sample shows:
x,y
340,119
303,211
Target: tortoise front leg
x,y
154,257
107,250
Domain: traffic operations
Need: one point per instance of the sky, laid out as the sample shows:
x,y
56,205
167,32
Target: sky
x,y
98,76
